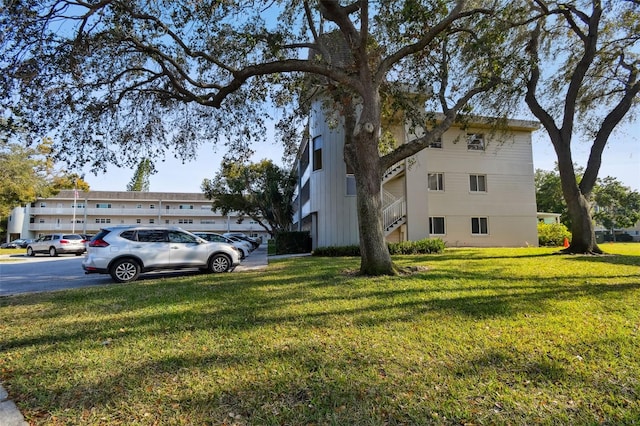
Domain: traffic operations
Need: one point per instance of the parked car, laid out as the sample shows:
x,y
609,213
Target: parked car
x,y
241,242
56,244
19,243
125,252
240,236
217,238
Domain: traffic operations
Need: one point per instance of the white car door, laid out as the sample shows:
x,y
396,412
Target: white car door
x,y
186,250
152,247
42,244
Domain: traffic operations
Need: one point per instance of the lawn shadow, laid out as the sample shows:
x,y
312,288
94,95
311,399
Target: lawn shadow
x,y
613,259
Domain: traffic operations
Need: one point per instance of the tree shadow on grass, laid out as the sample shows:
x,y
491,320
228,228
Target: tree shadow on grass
x,y
613,259
229,305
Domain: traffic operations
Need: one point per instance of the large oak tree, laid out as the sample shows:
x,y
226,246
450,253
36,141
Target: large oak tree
x,y
127,77
587,89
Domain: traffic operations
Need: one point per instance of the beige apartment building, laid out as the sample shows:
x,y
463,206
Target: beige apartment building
x,y
474,187
88,211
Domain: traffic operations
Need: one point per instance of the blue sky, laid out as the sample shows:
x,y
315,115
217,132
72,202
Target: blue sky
x,y
621,159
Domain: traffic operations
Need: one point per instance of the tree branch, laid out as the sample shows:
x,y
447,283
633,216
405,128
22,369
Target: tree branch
x,y
455,14
608,125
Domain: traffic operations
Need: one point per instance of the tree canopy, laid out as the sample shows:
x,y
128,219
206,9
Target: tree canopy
x,y
28,173
263,191
129,77
121,80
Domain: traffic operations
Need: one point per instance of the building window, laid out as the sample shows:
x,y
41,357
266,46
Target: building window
x,y
317,153
436,226
304,159
138,206
186,207
475,141
103,206
479,226
43,204
103,220
152,206
436,144
305,193
185,221
435,181
207,221
41,221
477,183
138,220
167,207
78,206
152,221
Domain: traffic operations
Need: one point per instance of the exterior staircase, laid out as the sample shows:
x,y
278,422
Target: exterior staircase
x,y
394,212
393,171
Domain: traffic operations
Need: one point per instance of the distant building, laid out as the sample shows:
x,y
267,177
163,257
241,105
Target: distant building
x,y
92,210
473,187
548,218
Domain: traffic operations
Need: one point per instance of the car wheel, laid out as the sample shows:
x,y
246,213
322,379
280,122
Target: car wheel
x,y
125,270
53,252
30,252
219,263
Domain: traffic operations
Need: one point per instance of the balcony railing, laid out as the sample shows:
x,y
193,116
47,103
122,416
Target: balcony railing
x,y
393,214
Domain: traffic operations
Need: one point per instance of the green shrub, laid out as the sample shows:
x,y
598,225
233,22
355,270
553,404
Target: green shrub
x,y
271,247
426,246
291,242
552,234
337,251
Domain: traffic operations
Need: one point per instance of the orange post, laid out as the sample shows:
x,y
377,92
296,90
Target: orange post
x,y
566,242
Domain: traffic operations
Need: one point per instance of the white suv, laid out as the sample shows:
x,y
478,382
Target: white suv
x,y
126,251
55,244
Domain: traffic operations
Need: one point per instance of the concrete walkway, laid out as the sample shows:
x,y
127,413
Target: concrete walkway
x,y
9,413
256,260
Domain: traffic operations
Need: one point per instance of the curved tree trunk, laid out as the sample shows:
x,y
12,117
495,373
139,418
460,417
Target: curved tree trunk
x,y
375,257
361,153
583,237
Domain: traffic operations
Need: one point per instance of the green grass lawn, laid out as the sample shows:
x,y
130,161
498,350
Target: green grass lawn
x,y
12,252
482,336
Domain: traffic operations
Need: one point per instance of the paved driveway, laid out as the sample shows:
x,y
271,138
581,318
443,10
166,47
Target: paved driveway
x,y
24,274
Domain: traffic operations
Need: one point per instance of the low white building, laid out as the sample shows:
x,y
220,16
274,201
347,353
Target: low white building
x,y
474,187
90,211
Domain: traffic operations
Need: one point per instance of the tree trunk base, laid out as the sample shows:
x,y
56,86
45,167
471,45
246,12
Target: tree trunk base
x,y
595,250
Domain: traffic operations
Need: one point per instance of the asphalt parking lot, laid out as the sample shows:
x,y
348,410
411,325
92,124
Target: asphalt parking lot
x,y
22,274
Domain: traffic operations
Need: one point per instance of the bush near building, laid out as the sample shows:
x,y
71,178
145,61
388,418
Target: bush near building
x,y
424,246
552,234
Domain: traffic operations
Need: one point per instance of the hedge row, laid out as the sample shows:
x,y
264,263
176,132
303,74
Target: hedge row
x,y
426,246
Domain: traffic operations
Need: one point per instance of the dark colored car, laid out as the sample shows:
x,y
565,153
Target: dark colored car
x,y
19,243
